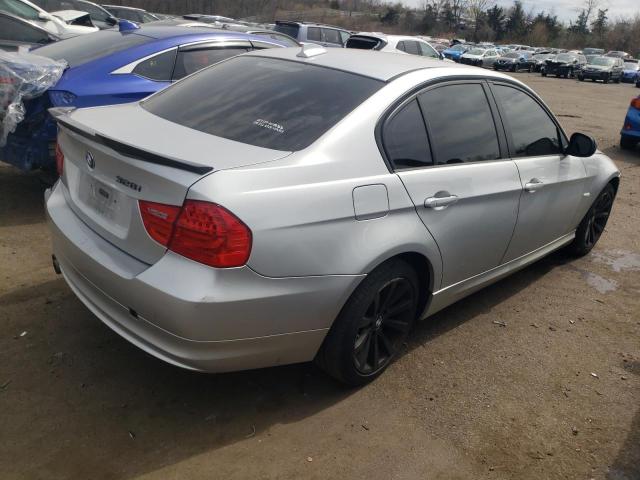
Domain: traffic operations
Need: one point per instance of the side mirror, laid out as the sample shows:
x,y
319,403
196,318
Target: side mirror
x,y
113,21
581,145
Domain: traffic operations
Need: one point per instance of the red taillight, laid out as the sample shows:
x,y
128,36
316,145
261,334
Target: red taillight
x,y
202,231
635,103
59,160
158,219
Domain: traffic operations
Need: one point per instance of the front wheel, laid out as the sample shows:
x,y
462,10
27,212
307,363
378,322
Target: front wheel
x,y
372,326
593,223
581,78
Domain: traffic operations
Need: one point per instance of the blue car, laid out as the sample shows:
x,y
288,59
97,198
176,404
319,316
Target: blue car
x,y
454,53
630,73
630,134
118,66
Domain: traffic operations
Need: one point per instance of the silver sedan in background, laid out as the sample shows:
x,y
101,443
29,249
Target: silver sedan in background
x,y
290,205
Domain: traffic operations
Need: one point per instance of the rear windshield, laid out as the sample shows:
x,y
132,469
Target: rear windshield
x,y
270,103
362,43
288,29
85,48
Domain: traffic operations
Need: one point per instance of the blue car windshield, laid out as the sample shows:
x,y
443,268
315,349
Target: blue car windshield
x,y
85,48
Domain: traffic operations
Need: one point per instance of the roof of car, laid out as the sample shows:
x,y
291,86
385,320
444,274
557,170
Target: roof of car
x,y
379,65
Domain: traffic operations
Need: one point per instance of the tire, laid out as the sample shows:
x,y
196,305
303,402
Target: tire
x,y
593,223
606,79
544,74
581,78
628,143
367,335
514,69
637,84
617,80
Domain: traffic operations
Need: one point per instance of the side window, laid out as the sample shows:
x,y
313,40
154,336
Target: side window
x,y
428,51
533,133
460,124
19,9
411,47
400,46
313,34
16,31
344,36
405,138
331,36
159,67
190,61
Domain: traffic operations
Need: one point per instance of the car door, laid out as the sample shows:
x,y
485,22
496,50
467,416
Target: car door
x,y
464,189
553,183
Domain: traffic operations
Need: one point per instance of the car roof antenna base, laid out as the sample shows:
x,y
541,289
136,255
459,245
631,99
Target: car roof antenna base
x,y
310,50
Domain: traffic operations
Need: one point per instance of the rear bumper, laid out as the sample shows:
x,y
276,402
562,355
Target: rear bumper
x,y
191,315
631,127
595,75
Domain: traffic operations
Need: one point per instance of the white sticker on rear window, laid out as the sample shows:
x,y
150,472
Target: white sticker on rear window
x,y
270,125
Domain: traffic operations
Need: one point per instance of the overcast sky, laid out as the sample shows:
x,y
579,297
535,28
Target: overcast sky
x,y
567,9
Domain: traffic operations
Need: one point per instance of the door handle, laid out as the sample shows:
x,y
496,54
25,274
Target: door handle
x,y
533,185
436,202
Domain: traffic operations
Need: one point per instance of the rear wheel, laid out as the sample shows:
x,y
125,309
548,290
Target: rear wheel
x,y
606,79
544,74
372,326
628,143
593,223
581,78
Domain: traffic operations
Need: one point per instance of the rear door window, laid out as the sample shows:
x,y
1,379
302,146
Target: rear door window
x,y
411,47
405,138
192,60
331,36
460,124
159,67
314,34
267,102
16,31
533,133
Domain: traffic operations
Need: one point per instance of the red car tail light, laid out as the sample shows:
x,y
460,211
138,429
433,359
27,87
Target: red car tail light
x,y
201,231
59,160
158,220
635,103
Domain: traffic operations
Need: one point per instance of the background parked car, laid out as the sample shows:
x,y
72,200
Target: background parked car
x,y
480,57
306,32
99,16
392,43
62,24
16,32
455,52
630,73
514,61
564,65
630,133
602,68
592,51
618,54
137,15
539,59
112,67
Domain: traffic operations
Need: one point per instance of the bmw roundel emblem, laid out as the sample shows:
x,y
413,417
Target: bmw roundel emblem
x,y
91,162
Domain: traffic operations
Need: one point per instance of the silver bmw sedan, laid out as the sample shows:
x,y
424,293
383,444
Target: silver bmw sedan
x,y
293,205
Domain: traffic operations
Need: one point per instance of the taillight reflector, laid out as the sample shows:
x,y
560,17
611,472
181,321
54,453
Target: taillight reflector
x,y
201,231
59,160
158,220
635,103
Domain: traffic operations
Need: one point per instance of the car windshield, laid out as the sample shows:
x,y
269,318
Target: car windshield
x,y
476,51
564,57
631,66
458,48
512,55
290,29
85,48
271,103
603,61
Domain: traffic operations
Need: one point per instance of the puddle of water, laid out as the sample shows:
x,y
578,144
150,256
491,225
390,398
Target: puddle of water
x,y
618,260
601,284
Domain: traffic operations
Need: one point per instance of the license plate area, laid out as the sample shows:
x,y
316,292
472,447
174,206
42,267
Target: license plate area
x,y
101,198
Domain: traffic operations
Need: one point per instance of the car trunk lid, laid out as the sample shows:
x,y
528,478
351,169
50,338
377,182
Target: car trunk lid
x,y
116,156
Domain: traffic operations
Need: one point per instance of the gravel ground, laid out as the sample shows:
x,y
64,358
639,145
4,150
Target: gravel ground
x,y
553,394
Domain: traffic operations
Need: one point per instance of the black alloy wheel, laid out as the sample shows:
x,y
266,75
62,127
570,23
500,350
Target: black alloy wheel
x,y
593,223
384,326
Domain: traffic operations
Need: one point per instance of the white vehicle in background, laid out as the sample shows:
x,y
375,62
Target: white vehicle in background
x,y
480,57
64,23
392,43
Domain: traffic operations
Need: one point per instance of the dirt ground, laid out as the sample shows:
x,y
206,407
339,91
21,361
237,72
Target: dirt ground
x,y
553,394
